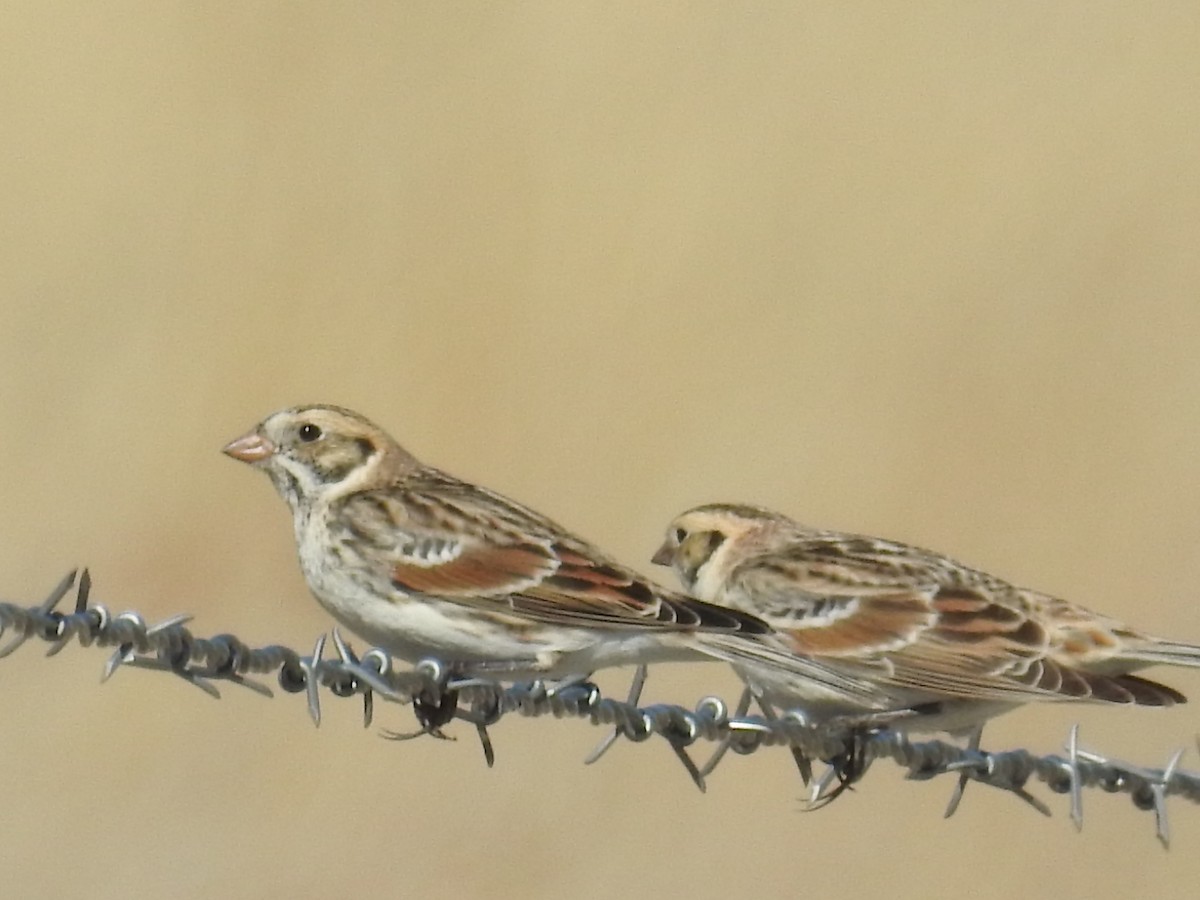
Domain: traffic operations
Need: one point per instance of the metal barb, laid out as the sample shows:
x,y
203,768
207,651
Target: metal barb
x,y
1073,773
44,608
1031,800
312,683
680,729
682,755
1162,825
489,754
84,592
121,655
723,745
60,590
964,774
346,655
803,765
67,627
632,698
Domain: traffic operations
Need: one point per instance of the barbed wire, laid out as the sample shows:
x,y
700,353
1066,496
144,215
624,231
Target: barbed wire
x,y
439,694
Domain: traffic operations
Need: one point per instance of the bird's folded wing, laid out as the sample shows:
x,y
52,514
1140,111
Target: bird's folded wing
x,y
490,559
910,626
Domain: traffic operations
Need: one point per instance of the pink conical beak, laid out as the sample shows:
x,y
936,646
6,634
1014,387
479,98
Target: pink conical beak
x,y
249,448
664,556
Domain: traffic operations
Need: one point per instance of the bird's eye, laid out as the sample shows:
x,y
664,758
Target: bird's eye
x,y
309,432
680,534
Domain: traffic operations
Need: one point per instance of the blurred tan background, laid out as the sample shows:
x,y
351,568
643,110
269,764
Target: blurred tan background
x,y
930,273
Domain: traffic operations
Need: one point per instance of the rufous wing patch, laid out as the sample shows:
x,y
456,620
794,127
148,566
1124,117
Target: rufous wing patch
x,y
875,624
484,569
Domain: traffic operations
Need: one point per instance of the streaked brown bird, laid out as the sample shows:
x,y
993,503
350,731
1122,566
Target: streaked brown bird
x,y
930,634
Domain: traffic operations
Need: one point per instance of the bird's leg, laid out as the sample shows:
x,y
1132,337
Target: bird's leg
x,y
849,766
433,710
435,707
435,704
846,768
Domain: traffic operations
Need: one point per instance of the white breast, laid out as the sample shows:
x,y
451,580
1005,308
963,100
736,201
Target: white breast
x,y
413,627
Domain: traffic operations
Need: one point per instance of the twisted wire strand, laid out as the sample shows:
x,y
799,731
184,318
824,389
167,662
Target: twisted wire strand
x,y
170,646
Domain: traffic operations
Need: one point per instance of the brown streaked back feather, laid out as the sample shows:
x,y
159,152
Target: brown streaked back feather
x,y
878,623
484,568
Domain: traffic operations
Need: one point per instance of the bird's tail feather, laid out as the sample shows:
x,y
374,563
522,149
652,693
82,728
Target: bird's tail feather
x,y
1165,653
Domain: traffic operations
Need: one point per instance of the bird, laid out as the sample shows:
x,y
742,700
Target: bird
x,y
952,645
421,563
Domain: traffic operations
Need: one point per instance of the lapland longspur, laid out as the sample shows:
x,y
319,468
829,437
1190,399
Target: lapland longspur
x,y
932,634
